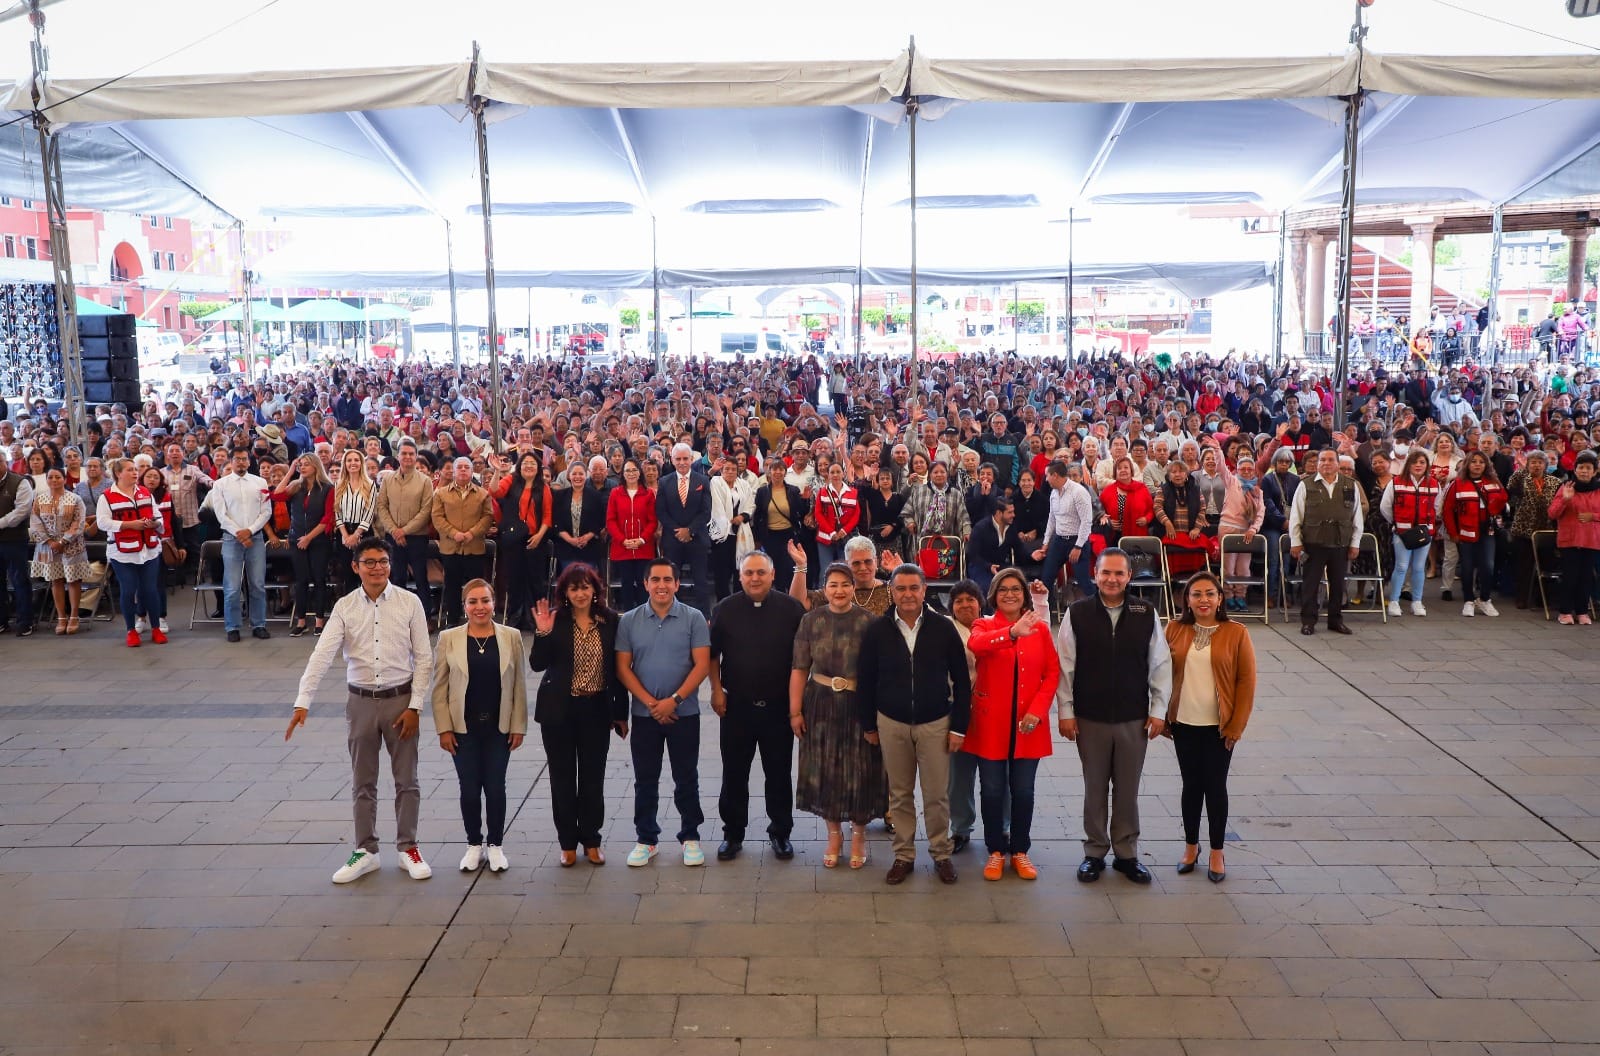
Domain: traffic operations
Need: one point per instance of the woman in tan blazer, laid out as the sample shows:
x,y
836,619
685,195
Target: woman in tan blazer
x,y
480,708
1213,691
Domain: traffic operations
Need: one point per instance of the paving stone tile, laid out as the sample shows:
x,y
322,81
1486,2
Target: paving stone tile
x,y
1450,1019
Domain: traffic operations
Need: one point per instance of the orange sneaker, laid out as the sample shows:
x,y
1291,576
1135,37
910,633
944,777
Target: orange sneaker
x,y
995,866
1023,867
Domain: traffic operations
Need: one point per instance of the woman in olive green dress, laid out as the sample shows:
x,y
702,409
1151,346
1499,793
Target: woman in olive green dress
x,y
840,774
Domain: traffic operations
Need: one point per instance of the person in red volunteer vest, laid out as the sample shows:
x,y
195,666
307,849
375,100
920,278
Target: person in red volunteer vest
x,y
1411,504
838,514
1472,505
132,525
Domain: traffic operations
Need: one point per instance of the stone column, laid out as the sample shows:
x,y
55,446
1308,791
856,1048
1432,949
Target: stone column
x,y
1294,312
1577,256
1424,237
1317,284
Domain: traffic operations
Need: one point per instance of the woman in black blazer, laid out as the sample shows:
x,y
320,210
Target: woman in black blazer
x,y
580,701
775,540
586,544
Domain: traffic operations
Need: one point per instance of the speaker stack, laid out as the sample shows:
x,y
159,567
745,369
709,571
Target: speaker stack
x,y
110,359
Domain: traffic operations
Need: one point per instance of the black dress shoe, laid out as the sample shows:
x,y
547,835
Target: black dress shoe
x,y
945,870
1308,628
261,632
782,849
297,630
728,850
1089,870
898,871
958,843
1185,868
1405,595
233,636
1131,868
1339,628
1214,876
1448,595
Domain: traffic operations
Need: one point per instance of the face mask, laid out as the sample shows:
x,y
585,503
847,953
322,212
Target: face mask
x,y
1247,485
1401,450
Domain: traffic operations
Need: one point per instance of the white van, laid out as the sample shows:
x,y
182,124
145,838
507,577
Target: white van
x,y
158,347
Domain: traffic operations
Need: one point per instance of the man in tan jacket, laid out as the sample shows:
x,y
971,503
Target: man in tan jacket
x,y
405,509
461,516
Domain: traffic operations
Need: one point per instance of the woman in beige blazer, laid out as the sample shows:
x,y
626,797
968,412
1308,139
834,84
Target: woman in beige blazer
x,y
480,708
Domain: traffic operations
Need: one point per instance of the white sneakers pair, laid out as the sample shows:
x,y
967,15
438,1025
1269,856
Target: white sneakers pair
x,y
363,862
642,854
1484,608
476,853
142,624
1417,608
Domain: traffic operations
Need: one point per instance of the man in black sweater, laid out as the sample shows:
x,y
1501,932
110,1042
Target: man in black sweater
x,y
915,697
1112,706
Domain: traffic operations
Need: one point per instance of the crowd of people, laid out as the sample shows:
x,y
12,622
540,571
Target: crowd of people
x,y
851,514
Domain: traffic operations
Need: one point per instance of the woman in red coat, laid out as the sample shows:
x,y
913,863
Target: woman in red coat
x,y
838,514
631,526
1128,502
1017,674
1472,505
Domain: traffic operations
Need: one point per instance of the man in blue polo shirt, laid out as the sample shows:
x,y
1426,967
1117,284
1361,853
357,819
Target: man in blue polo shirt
x,y
663,654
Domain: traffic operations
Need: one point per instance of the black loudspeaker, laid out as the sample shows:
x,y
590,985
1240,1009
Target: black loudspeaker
x,y
103,348
123,392
110,370
106,326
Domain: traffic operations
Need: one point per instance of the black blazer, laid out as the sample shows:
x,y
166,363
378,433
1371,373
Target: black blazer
x,y
985,547
798,507
694,515
552,654
913,689
591,519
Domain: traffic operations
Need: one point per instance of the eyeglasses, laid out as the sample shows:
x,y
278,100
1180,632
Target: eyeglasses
x,y
374,562
1011,589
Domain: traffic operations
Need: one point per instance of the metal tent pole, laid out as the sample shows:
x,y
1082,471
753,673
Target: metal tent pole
x,y
1491,332
247,322
1277,287
1072,222
1347,217
455,336
480,106
655,296
60,244
911,110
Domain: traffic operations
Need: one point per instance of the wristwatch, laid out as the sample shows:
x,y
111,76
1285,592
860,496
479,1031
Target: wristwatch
x,y
675,699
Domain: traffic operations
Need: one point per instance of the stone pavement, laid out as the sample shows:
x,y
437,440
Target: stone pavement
x,y
1416,812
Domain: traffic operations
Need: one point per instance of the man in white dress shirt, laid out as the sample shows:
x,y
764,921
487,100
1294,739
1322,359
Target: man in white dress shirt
x,y
243,505
383,632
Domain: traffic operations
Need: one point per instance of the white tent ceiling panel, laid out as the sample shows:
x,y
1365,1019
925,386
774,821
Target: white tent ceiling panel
x,y
691,85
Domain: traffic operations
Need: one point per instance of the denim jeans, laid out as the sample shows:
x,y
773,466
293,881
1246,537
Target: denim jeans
x,y
1408,564
1059,553
1476,562
997,777
139,587
482,756
237,564
1274,587
15,569
681,739
963,794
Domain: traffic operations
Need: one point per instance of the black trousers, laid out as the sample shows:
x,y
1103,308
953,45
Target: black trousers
x,y
693,558
458,569
575,748
1336,560
1577,579
722,570
1527,575
527,577
776,546
311,576
410,563
1203,760
343,564
483,754
750,727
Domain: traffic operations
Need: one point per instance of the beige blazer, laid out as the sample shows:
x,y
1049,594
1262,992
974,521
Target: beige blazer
x,y
450,680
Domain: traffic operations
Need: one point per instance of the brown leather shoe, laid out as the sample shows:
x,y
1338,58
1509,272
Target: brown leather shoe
x,y
899,871
945,870
595,855
568,858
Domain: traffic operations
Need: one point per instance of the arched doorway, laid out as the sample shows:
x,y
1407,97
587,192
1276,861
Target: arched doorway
x,y
125,264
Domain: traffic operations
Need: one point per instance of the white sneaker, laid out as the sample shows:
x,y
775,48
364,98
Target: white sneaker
x,y
1417,609
641,854
472,859
1394,608
163,625
142,625
692,854
411,861
1487,608
359,864
1469,609
497,860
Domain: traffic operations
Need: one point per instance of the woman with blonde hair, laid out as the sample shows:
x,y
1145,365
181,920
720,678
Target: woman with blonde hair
x,y
355,505
309,495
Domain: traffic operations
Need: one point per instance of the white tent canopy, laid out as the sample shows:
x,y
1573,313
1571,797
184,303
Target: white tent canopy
x,y
736,145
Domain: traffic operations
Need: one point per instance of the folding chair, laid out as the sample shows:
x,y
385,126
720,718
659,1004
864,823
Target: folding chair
x,y
1149,570
1286,561
95,550
1256,547
1547,567
210,556
1367,570
1178,563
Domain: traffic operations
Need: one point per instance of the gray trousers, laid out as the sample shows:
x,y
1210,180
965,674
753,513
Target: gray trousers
x,y
371,728
911,753
1112,754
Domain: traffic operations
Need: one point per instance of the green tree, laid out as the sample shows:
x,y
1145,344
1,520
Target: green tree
x,y
873,317
629,318
1025,309
1446,251
1556,271
200,309
813,322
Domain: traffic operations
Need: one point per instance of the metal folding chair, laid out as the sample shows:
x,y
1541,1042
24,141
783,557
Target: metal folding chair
x,y
1369,555
1256,547
1147,557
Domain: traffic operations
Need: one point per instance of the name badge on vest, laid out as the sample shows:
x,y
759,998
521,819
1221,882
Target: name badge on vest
x,y
1138,606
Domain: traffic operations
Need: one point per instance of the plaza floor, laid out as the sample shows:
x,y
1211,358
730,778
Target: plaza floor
x,y
1414,867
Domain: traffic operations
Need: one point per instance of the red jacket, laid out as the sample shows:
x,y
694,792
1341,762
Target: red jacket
x,y
1139,504
1414,503
631,519
836,515
1015,678
1570,532
1468,507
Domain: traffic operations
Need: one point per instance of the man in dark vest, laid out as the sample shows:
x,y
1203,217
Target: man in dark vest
x,y
16,504
1112,705
1325,525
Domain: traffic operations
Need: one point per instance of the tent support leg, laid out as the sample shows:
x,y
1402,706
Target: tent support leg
x,y
1347,219
1491,332
911,110
1278,278
655,296
450,264
1072,219
479,107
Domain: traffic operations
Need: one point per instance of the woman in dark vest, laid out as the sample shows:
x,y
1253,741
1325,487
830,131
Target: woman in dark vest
x,y
525,520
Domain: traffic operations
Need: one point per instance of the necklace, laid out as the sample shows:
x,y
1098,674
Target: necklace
x,y
481,643
1202,635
